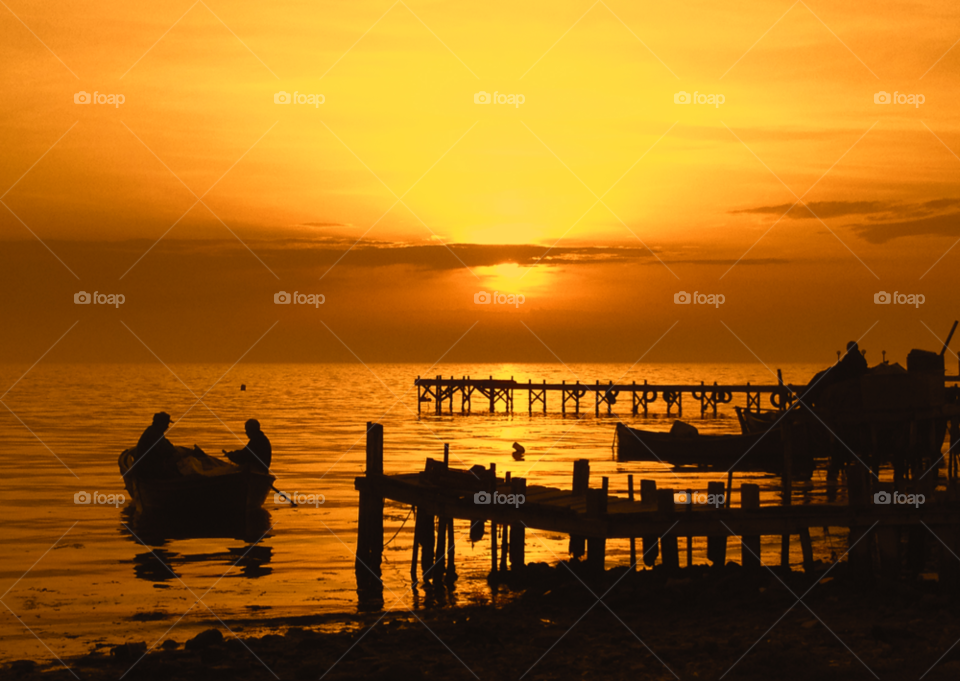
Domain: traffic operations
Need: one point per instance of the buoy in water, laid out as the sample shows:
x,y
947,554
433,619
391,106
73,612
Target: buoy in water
x,y
243,387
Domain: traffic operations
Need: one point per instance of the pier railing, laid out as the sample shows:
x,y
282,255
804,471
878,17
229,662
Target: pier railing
x,y
439,392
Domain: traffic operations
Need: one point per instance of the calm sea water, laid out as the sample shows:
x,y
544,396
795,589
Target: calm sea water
x,y
76,577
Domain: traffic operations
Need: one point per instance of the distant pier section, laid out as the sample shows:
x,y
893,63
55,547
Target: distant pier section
x,y
439,393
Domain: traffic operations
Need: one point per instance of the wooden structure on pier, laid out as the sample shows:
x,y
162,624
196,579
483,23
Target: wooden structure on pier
x,y
591,516
440,392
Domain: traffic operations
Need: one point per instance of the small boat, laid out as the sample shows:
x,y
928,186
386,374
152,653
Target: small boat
x,y
756,421
752,452
208,488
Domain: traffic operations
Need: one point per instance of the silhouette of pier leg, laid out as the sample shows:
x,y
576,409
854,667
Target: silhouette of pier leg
x,y
370,521
581,482
518,532
651,544
750,546
597,508
668,542
716,546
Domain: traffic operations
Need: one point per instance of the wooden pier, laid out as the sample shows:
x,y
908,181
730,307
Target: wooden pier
x,y
493,392
880,536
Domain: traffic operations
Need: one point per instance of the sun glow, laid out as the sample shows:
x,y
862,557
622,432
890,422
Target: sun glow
x,y
512,278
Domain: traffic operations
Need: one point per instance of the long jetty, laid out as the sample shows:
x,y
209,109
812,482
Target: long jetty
x,y
882,539
440,391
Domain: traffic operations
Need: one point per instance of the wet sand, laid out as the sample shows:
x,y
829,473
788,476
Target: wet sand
x,y
702,623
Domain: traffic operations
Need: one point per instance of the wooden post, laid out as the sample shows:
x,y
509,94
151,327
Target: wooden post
x,y
493,524
750,545
416,548
518,532
597,394
716,546
581,482
451,553
597,508
786,479
650,544
954,450
633,542
424,527
440,568
668,542
370,520
807,547
689,538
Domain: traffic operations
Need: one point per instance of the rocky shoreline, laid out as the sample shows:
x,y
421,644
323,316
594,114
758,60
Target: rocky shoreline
x,y
699,623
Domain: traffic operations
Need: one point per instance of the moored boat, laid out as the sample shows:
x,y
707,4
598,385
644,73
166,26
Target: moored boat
x,y
211,489
751,452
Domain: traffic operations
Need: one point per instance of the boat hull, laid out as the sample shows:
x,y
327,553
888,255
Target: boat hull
x,y
750,452
230,494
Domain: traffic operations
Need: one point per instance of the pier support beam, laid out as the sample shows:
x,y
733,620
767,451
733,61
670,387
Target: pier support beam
x,y
651,543
750,546
370,521
668,542
581,482
716,546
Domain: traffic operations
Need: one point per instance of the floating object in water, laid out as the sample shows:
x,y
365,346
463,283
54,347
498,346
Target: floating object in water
x,y
518,451
243,387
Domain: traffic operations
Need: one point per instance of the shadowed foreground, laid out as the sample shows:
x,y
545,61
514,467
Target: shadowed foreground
x,y
699,624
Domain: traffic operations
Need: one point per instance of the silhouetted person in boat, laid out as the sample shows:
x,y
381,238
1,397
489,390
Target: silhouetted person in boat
x,y
853,365
257,453
156,455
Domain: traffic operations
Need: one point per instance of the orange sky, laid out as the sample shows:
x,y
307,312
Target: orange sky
x,y
398,197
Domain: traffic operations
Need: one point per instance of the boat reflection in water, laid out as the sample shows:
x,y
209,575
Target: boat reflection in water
x,y
155,534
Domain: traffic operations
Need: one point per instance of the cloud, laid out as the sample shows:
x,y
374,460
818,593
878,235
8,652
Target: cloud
x,y
822,209
938,225
880,221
